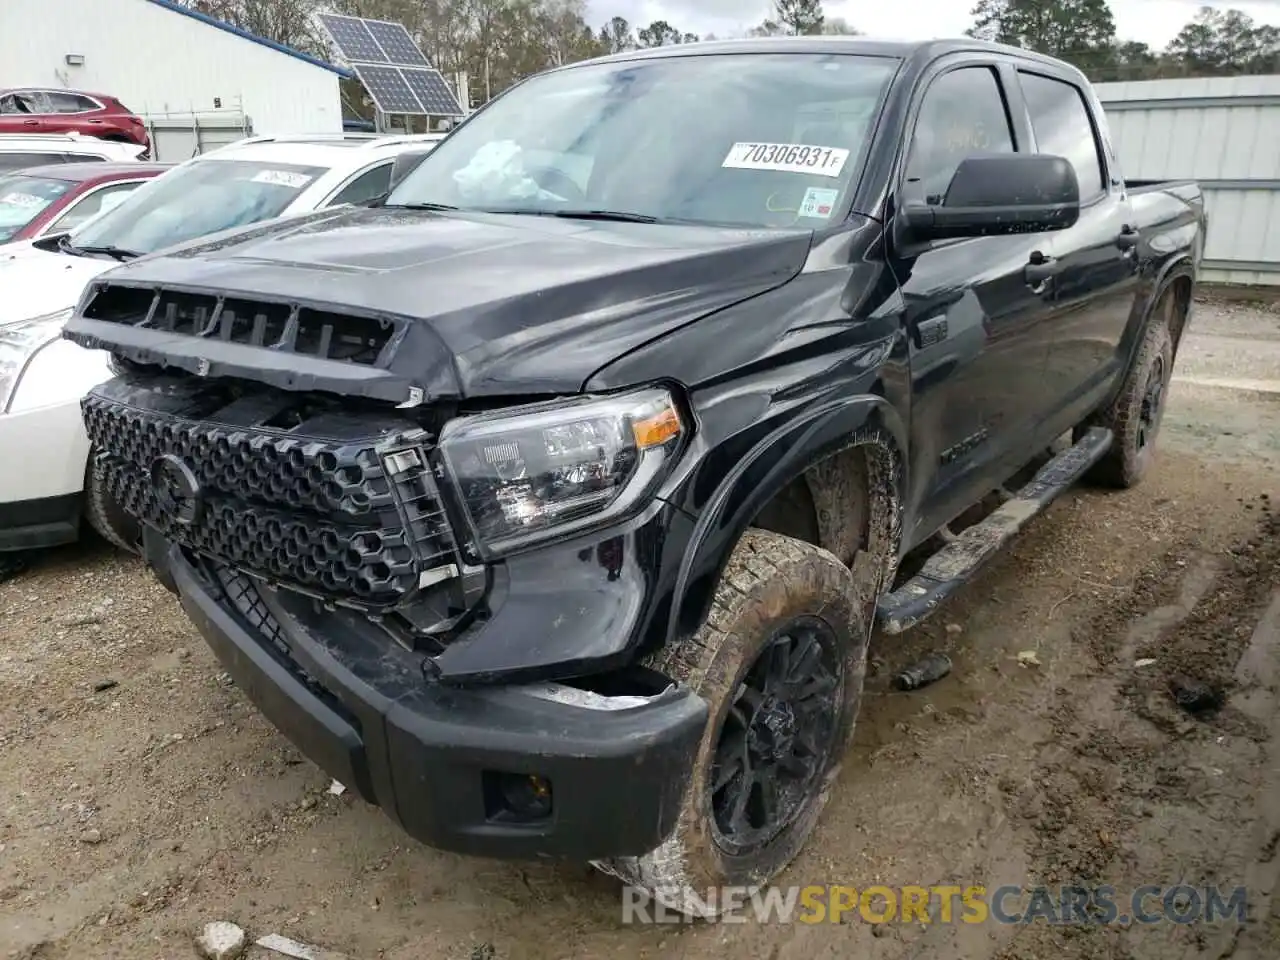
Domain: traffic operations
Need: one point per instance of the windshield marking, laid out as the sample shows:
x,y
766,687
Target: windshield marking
x,y
24,200
787,158
282,178
819,202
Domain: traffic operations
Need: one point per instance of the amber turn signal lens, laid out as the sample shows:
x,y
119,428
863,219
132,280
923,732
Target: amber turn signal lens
x,y
656,429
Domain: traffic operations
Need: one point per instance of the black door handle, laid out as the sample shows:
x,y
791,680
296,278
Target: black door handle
x,y
1128,238
1038,270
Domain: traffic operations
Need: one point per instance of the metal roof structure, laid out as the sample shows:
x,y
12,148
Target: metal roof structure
x,y
251,37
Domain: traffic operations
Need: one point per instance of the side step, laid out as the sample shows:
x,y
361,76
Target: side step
x,y
955,563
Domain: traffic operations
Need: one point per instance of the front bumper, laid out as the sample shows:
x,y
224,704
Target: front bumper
x,y
43,453
430,755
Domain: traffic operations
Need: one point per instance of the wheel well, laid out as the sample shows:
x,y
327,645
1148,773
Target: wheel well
x,y
1180,290
841,504
825,506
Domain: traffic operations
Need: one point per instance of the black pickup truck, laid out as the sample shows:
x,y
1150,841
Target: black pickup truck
x,y
550,502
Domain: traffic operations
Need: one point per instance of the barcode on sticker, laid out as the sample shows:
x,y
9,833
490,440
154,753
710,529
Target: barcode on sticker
x,y
787,157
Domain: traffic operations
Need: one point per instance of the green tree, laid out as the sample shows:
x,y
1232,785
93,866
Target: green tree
x,y
839,26
661,34
616,36
1082,32
1222,43
792,18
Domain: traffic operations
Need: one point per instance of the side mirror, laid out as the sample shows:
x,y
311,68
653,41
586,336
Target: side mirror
x,y
403,165
999,194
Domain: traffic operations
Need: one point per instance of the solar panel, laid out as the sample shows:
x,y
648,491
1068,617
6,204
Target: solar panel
x,y
352,39
397,75
397,44
433,92
387,87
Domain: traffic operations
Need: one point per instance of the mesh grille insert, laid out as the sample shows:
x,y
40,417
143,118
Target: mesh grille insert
x,y
321,516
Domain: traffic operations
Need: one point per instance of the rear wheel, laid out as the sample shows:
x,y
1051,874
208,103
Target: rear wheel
x,y
1135,415
781,661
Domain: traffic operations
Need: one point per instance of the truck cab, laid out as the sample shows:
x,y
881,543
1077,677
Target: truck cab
x,y
551,502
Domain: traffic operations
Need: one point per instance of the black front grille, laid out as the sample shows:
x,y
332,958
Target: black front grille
x,y
324,515
291,328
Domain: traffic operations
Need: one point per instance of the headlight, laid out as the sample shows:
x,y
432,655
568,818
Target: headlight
x,y
547,470
19,343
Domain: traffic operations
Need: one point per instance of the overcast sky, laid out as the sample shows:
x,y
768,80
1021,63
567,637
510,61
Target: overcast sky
x,y
1152,21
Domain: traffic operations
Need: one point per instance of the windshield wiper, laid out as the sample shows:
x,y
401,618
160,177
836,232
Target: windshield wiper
x,y
418,206
119,253
619,216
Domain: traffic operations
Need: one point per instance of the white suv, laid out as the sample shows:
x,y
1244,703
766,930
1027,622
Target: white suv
x,y
43,491
20,150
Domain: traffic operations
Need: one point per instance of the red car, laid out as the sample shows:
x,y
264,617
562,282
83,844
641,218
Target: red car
x,y
43,110
59,197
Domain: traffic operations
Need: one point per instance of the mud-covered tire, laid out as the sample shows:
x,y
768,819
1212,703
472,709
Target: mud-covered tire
x,y
105,514
1134,417
772,583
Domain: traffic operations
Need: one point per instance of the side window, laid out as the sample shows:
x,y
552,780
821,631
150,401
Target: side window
x,y
370,184
963,112
35,101
17,161
60,102
91,205
9,104
1061,123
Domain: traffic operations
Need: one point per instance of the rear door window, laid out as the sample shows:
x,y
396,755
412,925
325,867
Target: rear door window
x,y
62,102
1062,127
19,161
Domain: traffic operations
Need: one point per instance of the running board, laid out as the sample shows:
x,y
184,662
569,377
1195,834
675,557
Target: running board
x,y
957,561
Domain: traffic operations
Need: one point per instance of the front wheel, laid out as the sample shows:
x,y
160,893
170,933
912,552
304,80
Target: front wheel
x,y
1135,415
781,661
104,513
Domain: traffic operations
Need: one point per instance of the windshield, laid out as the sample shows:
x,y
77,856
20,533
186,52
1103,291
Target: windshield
x,y
757,140
22,199
195,199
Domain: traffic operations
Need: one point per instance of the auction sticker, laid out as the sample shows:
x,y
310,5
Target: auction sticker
x,y
282,178
819,202
22,200
788,157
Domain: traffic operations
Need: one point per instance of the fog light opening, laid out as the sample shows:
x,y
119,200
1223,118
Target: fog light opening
x,y
517,797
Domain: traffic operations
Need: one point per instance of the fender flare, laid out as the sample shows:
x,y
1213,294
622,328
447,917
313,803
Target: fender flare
x,y
863,421
1181,265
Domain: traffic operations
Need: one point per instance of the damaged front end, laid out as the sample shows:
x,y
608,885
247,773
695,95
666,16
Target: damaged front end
x,y
509,544
371,605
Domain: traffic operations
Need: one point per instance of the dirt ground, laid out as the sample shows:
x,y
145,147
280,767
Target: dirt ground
x,y
141,795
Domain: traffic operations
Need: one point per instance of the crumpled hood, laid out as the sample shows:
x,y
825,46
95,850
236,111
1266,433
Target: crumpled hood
x,y
510,304
34,282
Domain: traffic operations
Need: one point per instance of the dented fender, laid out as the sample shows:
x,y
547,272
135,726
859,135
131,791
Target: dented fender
x,y
777,458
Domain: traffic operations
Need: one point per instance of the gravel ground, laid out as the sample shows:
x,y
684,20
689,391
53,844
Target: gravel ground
x,y
144,796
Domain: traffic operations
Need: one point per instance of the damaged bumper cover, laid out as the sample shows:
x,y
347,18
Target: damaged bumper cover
x,y
438,759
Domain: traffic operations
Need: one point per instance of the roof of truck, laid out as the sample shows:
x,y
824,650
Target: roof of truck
x,y
857,45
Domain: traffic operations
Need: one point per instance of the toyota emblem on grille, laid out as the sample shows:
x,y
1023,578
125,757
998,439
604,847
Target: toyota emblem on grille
x,y
177,490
